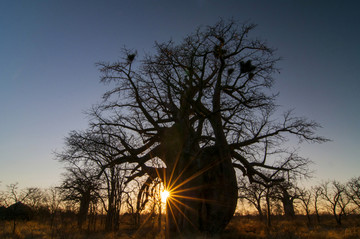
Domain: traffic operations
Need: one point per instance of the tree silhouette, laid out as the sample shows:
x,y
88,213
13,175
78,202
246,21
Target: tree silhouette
x,y
353,191
305,197
91,150
80,185
334,193
253,193
204,107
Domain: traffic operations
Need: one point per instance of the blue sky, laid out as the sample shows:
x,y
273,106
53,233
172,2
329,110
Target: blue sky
x,y
48,78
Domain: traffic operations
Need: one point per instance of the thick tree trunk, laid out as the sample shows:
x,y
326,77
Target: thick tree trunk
x,y
206,201
288,204
84,208
202,184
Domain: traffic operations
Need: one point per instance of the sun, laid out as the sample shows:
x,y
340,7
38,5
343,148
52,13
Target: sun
x,y
164,195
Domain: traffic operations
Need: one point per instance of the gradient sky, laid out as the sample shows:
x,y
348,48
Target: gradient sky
x,y
48,78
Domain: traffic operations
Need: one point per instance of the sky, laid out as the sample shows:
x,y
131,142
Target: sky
x,y
48,77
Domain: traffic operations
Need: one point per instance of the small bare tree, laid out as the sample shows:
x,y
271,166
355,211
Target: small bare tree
x,y
12,194
353,191
334,193
317,192
54,201
305,197
253,193
15,198
35,197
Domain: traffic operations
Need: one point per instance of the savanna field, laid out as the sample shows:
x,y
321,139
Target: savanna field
x,y
186,138
247,227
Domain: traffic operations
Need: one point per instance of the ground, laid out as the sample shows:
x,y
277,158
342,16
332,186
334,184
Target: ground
x,y
240,227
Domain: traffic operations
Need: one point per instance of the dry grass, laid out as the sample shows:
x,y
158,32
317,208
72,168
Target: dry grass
x,y
252,228
239,227
67,229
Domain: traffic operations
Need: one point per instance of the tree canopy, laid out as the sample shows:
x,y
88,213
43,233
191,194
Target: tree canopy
x,y
214,86
203,108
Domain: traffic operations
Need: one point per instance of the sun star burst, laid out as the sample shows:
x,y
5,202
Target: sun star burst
x,y
164,195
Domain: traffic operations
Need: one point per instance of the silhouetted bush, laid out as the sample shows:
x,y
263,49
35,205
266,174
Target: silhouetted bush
x,y
19,211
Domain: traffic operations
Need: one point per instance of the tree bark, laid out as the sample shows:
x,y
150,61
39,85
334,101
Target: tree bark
x,y
206,201
83,210
288,204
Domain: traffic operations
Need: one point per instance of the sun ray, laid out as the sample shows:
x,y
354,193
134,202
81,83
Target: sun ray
x,y
185,215
182,171
172,214
192,198
189,189
187,206
174,202
195,175
173,169
142,224
179,175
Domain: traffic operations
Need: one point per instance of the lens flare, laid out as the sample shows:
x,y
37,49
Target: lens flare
x,y
164,195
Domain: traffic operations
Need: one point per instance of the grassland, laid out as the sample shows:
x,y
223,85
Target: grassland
x,y
239,227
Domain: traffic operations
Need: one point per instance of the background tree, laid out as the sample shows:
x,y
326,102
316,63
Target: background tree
x,y
253,193
203,107
334,194
97,149
287,192
353,191
54,201
14,202
12,194
282,187
305,197
130,197
269,194
80,185
317,191
35,197
137,196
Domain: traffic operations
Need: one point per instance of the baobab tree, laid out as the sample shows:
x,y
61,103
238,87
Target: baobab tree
x,y
202,107
80,184
90,151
